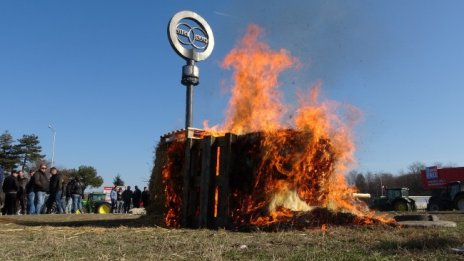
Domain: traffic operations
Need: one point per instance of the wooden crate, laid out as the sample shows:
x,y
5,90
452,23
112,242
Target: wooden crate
x,y
206,182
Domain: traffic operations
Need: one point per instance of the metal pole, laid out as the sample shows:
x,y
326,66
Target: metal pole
x,y
190,78
53,146
189,107
192,38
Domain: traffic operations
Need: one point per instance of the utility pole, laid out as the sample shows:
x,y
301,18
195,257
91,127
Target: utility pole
x,y
53,145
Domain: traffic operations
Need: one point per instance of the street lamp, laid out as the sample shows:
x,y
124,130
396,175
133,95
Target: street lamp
x,y
53,146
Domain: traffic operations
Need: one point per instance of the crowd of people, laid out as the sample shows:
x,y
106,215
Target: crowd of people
x,y
28,195
122,201
25,195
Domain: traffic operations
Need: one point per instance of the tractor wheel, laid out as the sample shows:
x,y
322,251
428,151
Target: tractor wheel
x,y
401,205
460,203
104,208
433,207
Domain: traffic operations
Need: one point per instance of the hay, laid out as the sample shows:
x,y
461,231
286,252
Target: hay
x,y
169,159
252,171
316,218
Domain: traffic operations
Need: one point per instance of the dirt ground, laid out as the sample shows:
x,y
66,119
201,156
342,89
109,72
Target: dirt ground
x,y
129,237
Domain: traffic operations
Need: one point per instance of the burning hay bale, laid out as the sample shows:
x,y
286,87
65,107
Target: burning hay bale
x,y
271,179
166,182
267,174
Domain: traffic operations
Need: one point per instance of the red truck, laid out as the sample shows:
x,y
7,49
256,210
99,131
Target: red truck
x,y
447,185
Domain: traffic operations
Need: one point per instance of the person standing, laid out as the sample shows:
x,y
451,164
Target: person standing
x,y
56,190
69,195
40,187
1,175
1,178
77,192
145,197
120,201
127,197
22,194
64,194
137,196
114,199
2,198
11,188
30,194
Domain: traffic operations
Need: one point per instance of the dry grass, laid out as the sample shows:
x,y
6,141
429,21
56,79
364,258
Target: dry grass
x,y
124,237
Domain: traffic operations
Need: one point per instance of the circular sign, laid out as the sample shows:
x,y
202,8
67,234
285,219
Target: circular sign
x,y
190,36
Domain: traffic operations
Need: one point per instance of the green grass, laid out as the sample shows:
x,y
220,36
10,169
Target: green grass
x,y
124,237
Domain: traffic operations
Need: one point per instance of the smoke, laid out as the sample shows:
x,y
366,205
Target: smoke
x,y
329,37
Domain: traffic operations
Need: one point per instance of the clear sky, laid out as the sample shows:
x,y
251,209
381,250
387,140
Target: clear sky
x,y
103,73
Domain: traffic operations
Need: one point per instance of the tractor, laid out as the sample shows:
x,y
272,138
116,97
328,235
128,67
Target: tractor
x,y
96,203
452,197
396,199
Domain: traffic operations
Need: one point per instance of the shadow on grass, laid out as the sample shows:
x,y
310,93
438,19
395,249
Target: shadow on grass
x,y
110,222
424,243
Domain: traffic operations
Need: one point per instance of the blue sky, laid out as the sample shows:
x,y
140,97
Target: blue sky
x,y
103,73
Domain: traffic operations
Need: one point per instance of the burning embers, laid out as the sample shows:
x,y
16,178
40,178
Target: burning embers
x,y
270,170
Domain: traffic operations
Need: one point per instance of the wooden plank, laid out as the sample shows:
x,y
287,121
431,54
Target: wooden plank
x,y
223,213
186,185
205,181
194,201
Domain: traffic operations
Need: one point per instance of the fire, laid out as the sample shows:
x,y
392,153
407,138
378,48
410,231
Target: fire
x,y
300,170
170,181
255,103
300,160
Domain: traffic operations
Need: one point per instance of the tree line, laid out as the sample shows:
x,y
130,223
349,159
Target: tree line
x,y
372,182
25,154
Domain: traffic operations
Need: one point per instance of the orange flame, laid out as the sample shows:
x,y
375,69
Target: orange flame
x,y
310,163
255,103
172,192
324,227
302,160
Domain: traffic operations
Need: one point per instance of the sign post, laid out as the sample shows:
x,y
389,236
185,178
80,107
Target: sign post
x,y
192,38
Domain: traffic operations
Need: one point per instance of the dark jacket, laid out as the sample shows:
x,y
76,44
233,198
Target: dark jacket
x,y
64,188
1,174
40,181
76,188
22,185
30,185
127,195
145,197
69,187
56,183
137,196
10,184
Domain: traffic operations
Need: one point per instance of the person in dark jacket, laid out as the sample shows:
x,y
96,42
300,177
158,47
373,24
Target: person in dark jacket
x,y
136,197
64,195
77,192
11,188
30,194
22,194
69,195
56,190
120,207
145,197
2,196
127,197
1,175
40,186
